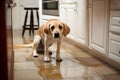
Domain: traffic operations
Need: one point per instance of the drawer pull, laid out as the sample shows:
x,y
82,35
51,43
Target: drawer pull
x,y
119,51
119,21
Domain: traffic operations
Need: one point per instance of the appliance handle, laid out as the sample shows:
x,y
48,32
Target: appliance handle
x,y
48,1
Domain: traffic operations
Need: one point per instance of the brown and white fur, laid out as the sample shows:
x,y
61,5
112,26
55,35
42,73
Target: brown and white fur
x,y
52,31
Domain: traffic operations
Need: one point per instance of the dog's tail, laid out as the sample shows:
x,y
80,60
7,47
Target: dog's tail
x,y
23,46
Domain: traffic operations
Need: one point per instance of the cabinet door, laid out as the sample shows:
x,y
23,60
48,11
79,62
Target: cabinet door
x,y
98,25
69,15
73,21
73,12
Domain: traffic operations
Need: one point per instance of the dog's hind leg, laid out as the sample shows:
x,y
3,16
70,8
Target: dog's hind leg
x,y
35,45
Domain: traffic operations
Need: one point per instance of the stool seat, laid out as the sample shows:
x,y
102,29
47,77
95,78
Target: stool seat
x,y
31,26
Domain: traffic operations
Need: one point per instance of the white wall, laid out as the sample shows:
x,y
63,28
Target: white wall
x,y
40,11
15,15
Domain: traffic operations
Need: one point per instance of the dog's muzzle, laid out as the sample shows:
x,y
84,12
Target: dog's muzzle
x,y
56,35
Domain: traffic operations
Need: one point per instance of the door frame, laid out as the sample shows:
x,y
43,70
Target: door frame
x,y
6,41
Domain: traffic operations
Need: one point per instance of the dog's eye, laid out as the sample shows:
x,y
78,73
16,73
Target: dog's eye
x,y
60,27
52,27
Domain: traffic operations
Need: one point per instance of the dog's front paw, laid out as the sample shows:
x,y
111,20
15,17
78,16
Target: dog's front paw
x,y
59,59
35,55
46,59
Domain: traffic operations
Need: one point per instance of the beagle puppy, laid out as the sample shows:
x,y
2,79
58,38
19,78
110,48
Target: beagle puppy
x,y
52,31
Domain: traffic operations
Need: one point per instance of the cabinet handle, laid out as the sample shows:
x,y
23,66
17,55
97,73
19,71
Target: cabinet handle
x,y
119,21
75,9
90,6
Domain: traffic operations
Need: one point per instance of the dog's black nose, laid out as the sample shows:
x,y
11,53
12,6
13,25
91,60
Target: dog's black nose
x,y
56,35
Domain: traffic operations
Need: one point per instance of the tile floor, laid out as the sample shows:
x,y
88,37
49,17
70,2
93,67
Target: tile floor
x,y
77,64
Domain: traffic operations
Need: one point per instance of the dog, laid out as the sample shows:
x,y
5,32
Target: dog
x,y
52,31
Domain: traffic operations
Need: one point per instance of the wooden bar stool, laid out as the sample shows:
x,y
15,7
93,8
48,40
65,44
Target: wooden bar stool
x,y
31,27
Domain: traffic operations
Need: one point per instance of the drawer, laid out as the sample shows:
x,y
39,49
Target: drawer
x,y
115,20
115,24
115,47
115,29
115,37
115,44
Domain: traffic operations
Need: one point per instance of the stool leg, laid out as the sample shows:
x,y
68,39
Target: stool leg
x,y
24,26
23,31
31,23
37,17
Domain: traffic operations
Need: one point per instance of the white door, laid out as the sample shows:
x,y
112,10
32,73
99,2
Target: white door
x,y
73,12
73,22
26,3
98,25
69,15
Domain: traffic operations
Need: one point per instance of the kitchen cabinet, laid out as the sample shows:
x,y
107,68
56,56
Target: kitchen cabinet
x,y
114,33
73,12
98,22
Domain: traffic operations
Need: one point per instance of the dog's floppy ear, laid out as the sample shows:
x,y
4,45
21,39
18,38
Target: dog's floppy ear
x,y
66,29
47,28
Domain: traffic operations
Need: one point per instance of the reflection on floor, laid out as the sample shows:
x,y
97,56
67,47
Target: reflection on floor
x,y
77,64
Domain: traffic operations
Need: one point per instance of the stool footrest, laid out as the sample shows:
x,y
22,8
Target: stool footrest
x,y
29,25
32,29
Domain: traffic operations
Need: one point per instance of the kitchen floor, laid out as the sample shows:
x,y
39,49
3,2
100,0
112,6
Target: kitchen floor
x,y
77,64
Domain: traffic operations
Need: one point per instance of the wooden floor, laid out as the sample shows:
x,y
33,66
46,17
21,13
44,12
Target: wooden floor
x,y
77,64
